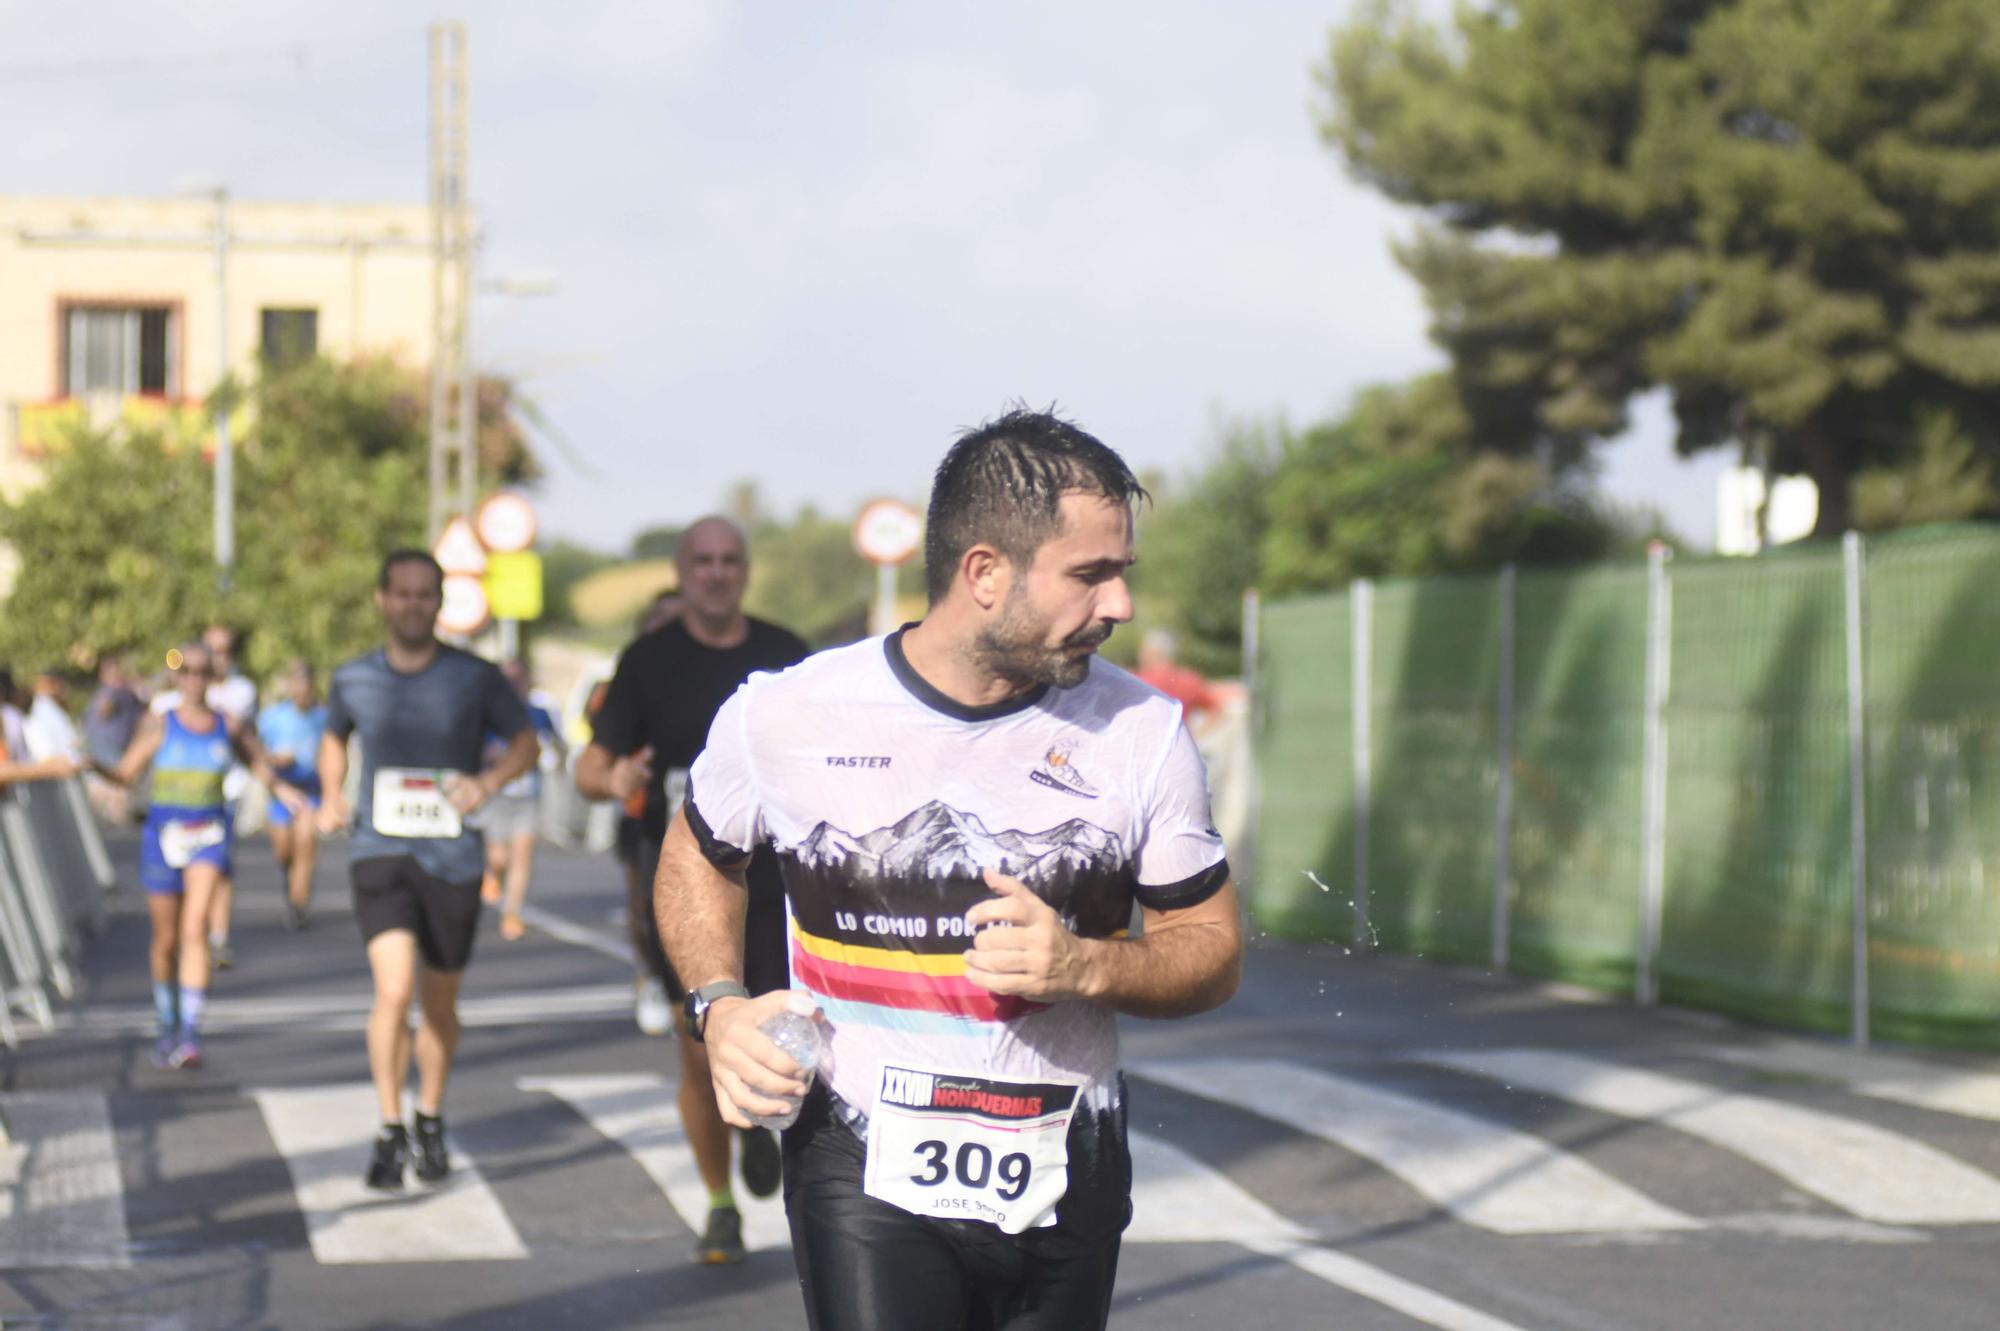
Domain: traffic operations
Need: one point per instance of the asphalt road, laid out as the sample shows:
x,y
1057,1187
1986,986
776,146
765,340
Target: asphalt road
x,y
1364,1143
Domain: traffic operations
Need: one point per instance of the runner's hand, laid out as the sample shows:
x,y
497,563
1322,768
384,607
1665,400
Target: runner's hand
x,y
748,1070
466,793
334,813
633,772
292,798
1022,948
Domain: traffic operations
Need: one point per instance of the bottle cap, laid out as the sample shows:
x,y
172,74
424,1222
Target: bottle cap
x,y
800,1004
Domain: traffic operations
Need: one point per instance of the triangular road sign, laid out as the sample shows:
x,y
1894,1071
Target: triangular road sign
x,y
459,551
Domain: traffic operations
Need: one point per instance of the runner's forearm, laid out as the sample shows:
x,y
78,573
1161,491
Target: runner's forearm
x,y
700,910
1186,962
332,764
522,752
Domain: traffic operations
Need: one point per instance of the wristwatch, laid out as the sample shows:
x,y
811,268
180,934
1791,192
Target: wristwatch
x,y
701,1000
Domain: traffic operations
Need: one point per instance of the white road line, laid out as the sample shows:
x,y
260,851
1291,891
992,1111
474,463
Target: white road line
x,y
323,1132
62,1202
1945,1090
1177,1199
1874,1173
1482,1172
580,935
637,1111
349,1012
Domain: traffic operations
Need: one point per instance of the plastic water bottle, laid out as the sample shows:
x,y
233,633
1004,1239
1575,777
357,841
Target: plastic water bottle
x,y
795,1032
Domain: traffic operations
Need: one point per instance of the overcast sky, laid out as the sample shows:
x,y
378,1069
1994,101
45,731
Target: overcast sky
x,y
805,244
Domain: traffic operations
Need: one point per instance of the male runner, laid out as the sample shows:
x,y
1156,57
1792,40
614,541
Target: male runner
x,y
422,710
965,812
656,714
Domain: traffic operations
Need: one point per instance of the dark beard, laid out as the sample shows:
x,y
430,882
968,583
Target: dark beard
x,y
1013,650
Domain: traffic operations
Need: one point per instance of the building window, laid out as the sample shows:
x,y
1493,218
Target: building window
x,y
118,349
290,337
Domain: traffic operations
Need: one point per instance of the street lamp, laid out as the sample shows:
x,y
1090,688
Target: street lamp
x,y
225,460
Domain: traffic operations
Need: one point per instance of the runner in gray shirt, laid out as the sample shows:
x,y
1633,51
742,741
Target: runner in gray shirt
x,y
422,710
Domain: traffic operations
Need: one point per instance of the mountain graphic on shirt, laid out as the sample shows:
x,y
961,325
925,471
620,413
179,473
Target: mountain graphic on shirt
x,y
938,841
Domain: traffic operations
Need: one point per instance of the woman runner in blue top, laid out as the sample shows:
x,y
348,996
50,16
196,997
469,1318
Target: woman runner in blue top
x,y
184,850
290,729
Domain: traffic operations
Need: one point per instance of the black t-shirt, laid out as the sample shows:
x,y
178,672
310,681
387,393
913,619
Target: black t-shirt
x,y
667,690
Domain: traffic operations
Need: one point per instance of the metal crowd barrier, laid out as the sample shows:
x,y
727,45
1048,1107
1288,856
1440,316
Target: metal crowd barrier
x,y
54,873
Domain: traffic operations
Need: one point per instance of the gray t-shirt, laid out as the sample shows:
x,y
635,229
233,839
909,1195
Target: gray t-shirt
x,y
436,719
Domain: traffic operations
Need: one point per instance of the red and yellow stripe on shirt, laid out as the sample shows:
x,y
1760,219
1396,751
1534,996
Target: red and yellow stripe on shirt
x,y
895,978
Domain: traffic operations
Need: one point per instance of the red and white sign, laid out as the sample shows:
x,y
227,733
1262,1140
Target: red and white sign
x,y
506,523
464,611
888,531
458,551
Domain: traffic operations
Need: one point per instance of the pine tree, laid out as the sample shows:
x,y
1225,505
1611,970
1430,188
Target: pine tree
x,y
1786,212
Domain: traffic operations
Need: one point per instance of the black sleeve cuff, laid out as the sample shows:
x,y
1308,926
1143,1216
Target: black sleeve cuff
x,y
1190,891
719,852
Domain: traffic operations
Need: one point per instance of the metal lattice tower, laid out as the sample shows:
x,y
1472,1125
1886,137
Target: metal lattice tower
x,y
454,409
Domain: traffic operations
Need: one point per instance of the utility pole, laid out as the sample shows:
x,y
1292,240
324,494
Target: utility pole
x,y
454,416
225,455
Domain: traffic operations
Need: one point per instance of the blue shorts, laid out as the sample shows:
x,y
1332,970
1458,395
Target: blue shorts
x,y
160,878
279,816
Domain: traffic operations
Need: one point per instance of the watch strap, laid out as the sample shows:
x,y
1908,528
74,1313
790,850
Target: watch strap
x,y
700,1000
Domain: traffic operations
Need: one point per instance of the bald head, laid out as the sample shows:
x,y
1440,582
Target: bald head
x,y
714,563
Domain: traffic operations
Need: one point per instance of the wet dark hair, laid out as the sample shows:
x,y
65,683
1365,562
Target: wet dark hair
x,y
1002,484
408,555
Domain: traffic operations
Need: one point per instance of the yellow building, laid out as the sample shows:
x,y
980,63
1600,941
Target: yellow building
x,y
109,307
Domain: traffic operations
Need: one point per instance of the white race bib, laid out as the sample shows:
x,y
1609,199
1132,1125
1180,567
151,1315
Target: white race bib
x,y
675,786
410,802
181,841
961,1147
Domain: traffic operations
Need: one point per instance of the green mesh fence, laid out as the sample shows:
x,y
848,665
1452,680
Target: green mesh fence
x,y
1756,903
1579,690
1435,678
1932,685
1757,864
1305,768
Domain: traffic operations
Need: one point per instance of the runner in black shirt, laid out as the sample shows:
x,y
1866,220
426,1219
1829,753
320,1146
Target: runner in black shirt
x,y
655,719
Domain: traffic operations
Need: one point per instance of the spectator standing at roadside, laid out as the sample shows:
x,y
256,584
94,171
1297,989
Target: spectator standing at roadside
x,y
109,723
16,764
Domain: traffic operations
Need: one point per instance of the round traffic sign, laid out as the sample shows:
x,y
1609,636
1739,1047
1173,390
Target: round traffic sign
x,y
888,531
464,609
506,523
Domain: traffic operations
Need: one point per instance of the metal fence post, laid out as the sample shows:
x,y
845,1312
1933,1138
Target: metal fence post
x,y
1653,788
1246,869
1361,604
1503,797
1857,771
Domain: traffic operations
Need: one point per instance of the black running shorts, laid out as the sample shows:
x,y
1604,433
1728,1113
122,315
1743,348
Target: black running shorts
x,y
394,892
765,955
868,1266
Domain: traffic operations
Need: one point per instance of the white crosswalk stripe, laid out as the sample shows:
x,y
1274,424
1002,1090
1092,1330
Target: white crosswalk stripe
x,y
62,1202
1869,1171
1177,1199
1944,1090
1484,1173
323,1133
638,1113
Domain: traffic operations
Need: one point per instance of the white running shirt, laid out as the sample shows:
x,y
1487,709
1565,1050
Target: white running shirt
x,y
885,800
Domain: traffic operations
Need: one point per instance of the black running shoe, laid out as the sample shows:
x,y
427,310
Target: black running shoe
x,y
722,1242
392,1152
295,917
763,1169
433,1161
